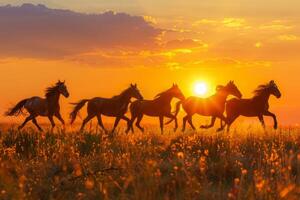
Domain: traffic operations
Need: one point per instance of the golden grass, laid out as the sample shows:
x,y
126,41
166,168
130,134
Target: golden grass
x,y
245,164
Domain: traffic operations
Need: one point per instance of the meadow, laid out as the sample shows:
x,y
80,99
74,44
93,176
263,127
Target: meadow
x,y
247,163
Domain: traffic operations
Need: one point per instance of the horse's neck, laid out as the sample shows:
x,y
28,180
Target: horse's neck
x,y
221,97
124,98
53,100
263,97
165,98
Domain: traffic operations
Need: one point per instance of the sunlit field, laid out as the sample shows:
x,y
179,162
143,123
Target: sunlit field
x,y
247,163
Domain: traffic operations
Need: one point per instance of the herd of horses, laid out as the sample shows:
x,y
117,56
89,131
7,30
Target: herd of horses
x,y
160,106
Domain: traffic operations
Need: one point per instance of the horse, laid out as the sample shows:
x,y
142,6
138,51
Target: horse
x,y
257,106
46,107
159,107
113,107
212,106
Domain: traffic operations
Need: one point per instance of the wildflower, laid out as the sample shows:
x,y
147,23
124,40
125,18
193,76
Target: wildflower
x,y
180,155
89,183
22,180
287,190
77,170
244,171
202,164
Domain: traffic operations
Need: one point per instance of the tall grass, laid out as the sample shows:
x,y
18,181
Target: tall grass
x,y
243,164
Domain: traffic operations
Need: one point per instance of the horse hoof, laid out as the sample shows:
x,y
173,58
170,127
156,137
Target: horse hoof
x,y
275,127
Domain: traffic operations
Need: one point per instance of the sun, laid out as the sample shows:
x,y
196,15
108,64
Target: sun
x,y
200,88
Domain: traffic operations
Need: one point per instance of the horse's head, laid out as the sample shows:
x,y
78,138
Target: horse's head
x,y
62,88
230,88
176,92
233,90
273,88
134,92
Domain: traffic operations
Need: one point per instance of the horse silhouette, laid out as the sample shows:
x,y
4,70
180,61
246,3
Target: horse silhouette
x,y
212,106
114,107
37,106
257,106
159,107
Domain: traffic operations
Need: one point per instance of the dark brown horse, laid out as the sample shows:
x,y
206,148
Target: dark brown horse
x,y
159,107
37,106
257,106
113,107
212,106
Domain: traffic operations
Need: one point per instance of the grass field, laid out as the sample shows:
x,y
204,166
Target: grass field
x,y
247,163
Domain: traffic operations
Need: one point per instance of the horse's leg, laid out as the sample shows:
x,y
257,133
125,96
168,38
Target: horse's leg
x,y
169,115
139,119
25,122
99,118
261,119
128,122
116,124
190,121
221,124
59,117
222,119
51,121
212,123
86,120
161,124
36,124
268,113
184,123
230,120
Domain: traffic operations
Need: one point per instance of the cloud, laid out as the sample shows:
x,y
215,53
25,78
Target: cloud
x,y
288,37
184,44
233,22
36,31
276,25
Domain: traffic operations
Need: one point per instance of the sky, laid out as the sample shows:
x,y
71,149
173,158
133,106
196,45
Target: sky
x,y
100,47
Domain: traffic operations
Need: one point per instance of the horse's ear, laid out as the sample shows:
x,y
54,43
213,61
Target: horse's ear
x,y
272,81
135,85
131,85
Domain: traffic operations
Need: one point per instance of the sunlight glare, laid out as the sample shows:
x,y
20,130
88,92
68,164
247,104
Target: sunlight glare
x,y
200,89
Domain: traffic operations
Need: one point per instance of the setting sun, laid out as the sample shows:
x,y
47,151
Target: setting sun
x,y
200,88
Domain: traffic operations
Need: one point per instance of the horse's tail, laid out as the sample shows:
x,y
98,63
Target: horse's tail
x,y
76,109
176,111
17,109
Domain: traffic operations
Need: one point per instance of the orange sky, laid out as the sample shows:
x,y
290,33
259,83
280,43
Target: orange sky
x,y
211,42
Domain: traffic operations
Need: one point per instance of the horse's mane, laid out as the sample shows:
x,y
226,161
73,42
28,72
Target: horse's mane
x,y
121,94
50,91
161,93
261,89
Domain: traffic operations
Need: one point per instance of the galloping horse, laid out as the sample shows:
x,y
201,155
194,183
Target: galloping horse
x,y
158,107
257,106
114,107
212,106
37,106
